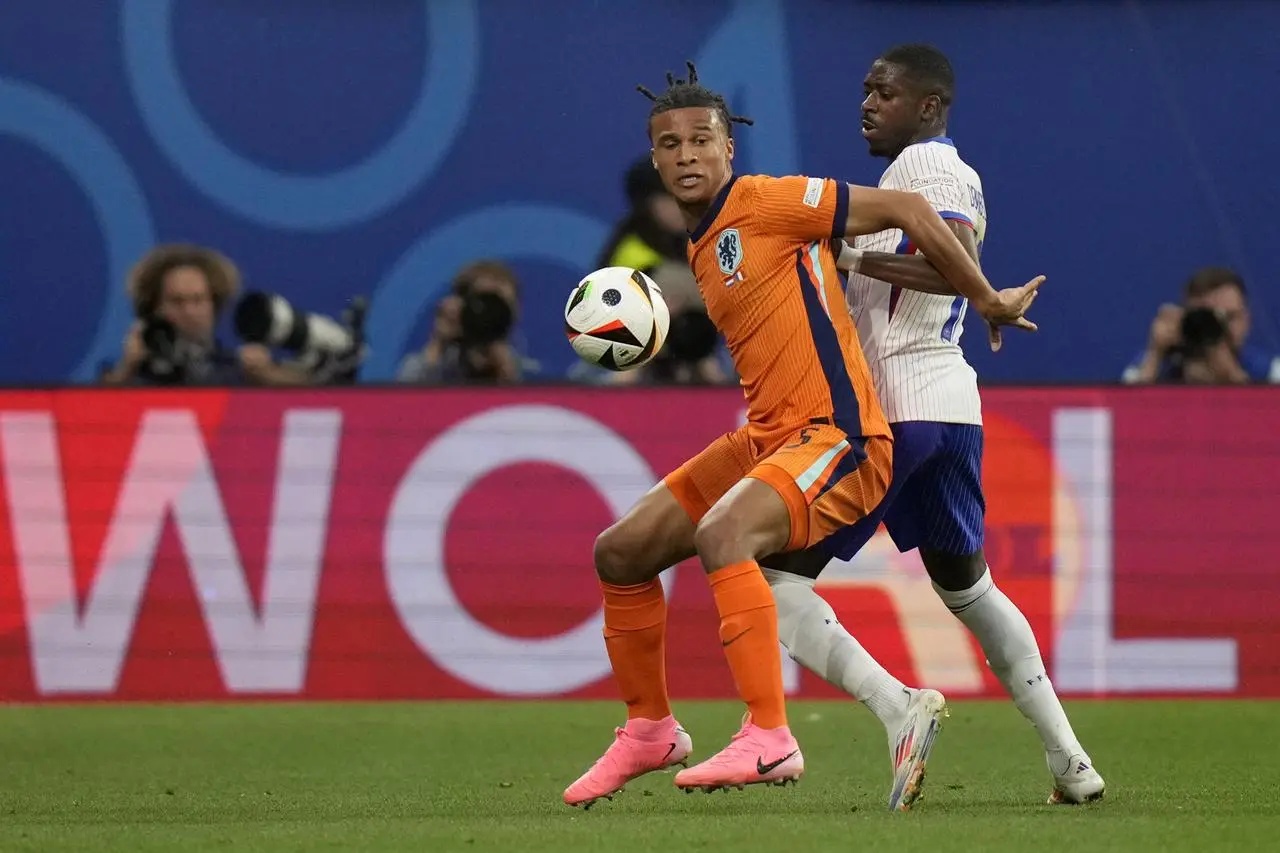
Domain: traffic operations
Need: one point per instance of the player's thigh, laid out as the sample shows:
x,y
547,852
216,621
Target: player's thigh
x,y
658,531
941,509
827,480
751,521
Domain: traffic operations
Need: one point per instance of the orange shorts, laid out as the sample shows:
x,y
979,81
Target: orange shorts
x,y
827,479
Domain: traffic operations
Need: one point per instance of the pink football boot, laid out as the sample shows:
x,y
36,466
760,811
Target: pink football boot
x,y
640,747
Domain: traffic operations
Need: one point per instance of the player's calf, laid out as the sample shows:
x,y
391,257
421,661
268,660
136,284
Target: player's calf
x,y
1014,656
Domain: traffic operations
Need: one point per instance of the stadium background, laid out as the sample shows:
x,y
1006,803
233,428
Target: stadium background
x,y
380,543
375,147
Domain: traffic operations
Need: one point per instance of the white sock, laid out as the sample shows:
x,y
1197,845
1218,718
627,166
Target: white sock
x,y
811,633
1012,653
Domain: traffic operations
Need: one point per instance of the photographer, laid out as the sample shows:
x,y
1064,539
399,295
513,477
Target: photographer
x,y
472,339
178,293
1203,341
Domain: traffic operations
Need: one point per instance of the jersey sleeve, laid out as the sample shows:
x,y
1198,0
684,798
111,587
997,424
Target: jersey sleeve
x,y
802,208
923,172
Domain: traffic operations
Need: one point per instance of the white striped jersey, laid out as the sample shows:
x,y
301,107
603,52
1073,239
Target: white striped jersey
x,y
912,340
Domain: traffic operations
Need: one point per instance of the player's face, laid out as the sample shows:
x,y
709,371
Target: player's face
x,y
692,152
893,114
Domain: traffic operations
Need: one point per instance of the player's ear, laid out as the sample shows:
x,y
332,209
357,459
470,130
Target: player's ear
x,y
653,157
931,108
729,147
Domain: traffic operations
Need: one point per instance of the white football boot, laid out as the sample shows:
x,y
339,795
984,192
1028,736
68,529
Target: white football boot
x,y
1076,783
910,745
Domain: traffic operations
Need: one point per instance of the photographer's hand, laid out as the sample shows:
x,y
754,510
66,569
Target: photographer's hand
x,y
1166,329
135,352
261,369
505,362
1225,366
1166,333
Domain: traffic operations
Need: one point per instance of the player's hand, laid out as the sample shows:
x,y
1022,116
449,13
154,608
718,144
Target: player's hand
x,y
1009,309
1166,329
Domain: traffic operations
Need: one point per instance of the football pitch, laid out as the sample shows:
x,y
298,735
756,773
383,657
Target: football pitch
x,y
488,777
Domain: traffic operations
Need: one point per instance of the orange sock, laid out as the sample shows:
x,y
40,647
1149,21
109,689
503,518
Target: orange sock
x,y
749,633
635,629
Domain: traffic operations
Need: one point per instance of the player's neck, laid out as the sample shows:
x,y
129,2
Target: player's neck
x,y
929,131
694,213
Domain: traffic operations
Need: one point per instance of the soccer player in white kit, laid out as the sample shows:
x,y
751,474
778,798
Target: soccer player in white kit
x,y
930,395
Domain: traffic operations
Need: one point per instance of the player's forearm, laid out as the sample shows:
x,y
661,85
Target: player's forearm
x,y
910,272
944,251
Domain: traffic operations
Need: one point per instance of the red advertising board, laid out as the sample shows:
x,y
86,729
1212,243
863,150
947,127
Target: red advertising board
x,y
407,543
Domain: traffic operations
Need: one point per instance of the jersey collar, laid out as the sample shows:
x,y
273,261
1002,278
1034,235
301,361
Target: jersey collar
x,y
713,211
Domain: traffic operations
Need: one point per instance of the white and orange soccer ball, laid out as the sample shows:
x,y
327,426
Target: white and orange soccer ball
x,y
616,318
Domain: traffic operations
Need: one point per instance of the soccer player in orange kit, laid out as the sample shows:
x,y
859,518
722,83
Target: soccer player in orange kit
x,y
815,455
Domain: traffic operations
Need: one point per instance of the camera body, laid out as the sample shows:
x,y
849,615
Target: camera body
x,y
174,360
485,318
1201,330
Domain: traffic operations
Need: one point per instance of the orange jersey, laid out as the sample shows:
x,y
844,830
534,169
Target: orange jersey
x,y
762,257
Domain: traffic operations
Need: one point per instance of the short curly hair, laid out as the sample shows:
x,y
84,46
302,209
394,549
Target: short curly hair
x,y
146,279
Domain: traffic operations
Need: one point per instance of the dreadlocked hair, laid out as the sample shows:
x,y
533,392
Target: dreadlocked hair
x,y
690,93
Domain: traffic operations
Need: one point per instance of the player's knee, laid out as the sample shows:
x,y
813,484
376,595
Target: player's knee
x,y
954,572
714,539
616,553
724,537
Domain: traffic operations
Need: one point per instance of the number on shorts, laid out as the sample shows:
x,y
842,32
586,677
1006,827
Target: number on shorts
x,y
806,435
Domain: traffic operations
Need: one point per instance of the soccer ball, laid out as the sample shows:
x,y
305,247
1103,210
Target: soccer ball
x,y
616,318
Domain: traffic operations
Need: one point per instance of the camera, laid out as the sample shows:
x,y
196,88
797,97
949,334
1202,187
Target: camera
x,y
1202,329
165,362
173,359
329,350
484,318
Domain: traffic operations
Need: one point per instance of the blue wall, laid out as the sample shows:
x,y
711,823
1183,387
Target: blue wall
x,y
342,147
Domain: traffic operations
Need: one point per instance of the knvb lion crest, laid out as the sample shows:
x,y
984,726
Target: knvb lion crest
x,y
729,251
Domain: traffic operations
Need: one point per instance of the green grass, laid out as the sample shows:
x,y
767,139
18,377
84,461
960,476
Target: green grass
x,y
488,777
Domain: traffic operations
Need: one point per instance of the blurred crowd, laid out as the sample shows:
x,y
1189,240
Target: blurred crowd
x,y
180,293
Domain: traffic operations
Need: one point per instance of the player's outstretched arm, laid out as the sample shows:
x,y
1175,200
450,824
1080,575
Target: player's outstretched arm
x,y
910,272
872,210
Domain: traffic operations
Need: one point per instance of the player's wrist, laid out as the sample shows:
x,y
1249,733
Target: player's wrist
x,y
988,304
850,258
